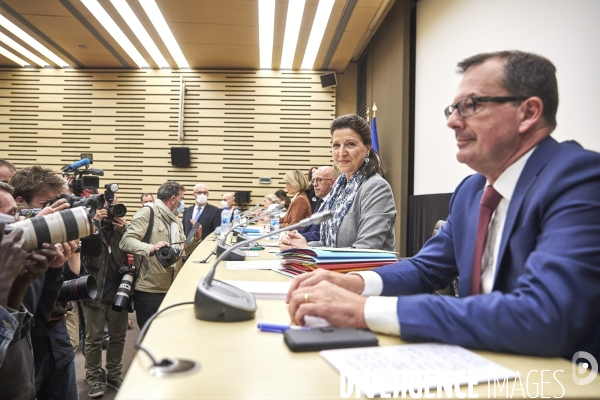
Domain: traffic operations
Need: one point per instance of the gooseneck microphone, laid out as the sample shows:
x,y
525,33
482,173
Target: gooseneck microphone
x,y
240,255
219,301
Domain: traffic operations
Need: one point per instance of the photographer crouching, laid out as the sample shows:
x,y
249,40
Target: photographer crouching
x,y
103,258
155,235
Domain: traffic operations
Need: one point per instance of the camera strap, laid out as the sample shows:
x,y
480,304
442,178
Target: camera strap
x,y
146,238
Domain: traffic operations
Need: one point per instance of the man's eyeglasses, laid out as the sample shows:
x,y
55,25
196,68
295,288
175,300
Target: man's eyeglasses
x,y
468,106
317,181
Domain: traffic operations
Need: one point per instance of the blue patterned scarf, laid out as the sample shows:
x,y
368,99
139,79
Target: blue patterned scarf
x,y
340,200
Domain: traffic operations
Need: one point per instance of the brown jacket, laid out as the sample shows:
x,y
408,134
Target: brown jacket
x,y
299,209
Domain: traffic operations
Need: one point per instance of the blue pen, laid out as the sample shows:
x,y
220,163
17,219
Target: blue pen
x,y
265,327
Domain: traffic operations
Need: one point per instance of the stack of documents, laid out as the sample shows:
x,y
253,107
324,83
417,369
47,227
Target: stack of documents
x,y
297,261
248,231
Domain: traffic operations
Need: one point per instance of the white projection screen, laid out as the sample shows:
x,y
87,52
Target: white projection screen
x,y
566,32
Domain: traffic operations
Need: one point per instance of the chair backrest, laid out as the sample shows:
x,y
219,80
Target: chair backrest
x,y
438,226
451,290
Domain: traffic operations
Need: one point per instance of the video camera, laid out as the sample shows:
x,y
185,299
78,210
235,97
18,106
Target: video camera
x,y
113,210
80,181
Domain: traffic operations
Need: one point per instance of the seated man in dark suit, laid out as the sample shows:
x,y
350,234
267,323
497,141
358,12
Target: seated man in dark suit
x,y
522,235
322,181
208,215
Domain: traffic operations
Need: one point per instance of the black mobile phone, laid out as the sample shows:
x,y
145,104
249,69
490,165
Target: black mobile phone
x,y
327,338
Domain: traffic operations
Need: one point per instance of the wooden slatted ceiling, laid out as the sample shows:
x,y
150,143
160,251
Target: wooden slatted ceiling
x,y
239,125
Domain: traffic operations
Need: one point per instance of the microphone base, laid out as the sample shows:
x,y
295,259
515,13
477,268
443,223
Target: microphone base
x,y
235,255
222,302
174,367
241,237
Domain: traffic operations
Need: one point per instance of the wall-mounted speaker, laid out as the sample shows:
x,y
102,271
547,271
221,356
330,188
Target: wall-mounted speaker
x,y
180,156
329,79
242,197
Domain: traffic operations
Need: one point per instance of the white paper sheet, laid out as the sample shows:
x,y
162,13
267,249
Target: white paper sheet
x,y
264,290
250,265
398,369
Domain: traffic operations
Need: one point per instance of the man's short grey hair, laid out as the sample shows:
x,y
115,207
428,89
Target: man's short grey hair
x,y
7,188
196,186
168,190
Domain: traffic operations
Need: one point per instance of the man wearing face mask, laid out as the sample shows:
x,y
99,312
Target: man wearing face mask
x,y
208,215
154,280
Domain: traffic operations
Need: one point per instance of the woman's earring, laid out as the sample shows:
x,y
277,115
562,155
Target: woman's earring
x,y
367,159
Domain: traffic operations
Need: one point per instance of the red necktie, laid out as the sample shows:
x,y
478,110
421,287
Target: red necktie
x,y
489,202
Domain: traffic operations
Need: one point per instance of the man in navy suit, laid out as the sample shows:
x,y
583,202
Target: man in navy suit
x,y
208,215
323,180
539,264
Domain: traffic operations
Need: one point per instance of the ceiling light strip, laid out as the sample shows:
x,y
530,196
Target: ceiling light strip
x,y
292,30
27,38
136,26
339,33
266,26
17,47
107,22
316,33
160,24
13,57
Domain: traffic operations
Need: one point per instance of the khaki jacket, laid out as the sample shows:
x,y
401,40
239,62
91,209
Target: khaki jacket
x,y
153,277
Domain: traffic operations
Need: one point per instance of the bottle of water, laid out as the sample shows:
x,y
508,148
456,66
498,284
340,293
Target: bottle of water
x,y
225,220
275,225
236,217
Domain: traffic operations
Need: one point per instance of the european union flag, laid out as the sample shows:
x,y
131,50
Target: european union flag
x,y
375,142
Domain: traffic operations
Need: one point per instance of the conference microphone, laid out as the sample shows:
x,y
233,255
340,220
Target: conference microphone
x,y
250,211
219,301
274,210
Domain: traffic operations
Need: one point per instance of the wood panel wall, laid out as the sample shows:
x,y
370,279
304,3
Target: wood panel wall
x,y
239,126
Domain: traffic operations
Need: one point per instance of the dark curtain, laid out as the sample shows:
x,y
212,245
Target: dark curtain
x,y
423,212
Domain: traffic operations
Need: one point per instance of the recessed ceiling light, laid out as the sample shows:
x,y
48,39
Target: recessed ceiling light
x,y
160,24
141,33
116,32
16,46
24,36
13,57
316,33
266,26
292,29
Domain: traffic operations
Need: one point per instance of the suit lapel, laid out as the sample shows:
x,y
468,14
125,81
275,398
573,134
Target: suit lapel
x,y
545,150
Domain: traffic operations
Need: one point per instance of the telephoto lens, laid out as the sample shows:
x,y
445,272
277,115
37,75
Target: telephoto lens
x,y
82,288
58,227
122,296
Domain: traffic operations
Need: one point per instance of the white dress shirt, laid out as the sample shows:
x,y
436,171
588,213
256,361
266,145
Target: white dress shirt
x,y
196,207
381,311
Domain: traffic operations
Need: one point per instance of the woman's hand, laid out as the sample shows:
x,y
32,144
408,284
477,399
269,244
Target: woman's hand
x,y
292,239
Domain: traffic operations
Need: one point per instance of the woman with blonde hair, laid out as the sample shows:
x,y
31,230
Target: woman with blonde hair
x,y
296,184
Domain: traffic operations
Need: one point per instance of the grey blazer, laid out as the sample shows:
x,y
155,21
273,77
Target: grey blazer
x,y
369,223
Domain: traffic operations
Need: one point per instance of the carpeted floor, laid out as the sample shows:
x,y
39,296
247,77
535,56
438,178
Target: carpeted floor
x,y
128,354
